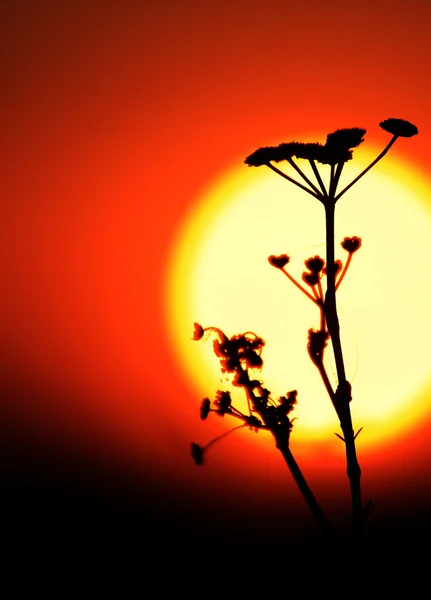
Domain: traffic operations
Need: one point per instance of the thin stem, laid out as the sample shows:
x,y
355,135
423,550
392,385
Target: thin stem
x,y
304,177
327,383
380,156
318,196
303,487
223,435
330,300
336,179
319,283
344,271
234,412
331,178
342,395
318,177
315,292
281,436
298,285
322,317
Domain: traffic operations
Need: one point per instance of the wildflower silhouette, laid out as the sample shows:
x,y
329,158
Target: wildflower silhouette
x,y
321,280
238,355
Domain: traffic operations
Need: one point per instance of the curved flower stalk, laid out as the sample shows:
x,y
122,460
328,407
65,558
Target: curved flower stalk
x,y
337,150
238,355
398,128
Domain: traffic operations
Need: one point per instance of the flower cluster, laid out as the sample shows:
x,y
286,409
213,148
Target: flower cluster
x,y
316,268
239,351
338,148
238,355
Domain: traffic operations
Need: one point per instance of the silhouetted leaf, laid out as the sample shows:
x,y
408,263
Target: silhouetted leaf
x,y
357,433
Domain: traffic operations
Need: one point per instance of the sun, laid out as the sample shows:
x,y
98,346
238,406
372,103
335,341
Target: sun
x,y
219,275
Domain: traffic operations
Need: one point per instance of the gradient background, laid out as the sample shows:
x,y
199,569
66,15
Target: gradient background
x,y
115,117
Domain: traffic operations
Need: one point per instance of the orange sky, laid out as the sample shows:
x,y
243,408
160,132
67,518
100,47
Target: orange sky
x,y
115,118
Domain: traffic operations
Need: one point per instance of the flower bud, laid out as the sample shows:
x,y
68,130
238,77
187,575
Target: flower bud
x,y
310,278
278,261
351,244
314,264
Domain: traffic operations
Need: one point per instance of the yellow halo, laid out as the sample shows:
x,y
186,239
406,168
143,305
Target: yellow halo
x,y
219,275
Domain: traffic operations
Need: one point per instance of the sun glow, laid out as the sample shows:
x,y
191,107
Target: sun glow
x,y
219,275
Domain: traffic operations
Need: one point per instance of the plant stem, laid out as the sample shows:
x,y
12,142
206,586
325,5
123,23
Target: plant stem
x,y
376,160
346,266
281,435
298,285
318,177
330,300
304,177
318,196
336,179
308,495
219,437
342,395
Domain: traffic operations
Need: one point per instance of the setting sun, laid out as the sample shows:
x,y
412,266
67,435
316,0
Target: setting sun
x,y
220,276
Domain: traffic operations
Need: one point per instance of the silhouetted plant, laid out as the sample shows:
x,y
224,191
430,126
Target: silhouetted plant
x,y
241,354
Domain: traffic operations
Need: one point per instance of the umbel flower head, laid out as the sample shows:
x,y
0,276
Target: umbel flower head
x,y
338,148
345,138
263,156
307,151
399,127
339,144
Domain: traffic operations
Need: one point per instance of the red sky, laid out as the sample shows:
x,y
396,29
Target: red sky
x,y
115,117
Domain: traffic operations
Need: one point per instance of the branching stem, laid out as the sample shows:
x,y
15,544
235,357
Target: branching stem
x,y
304,489
318,177
318,196
375,161
298,285
302,174
344,271
281,436
342,395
